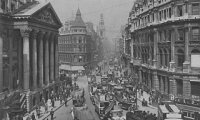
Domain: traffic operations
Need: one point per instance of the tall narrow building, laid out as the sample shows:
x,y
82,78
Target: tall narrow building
x,y
101,27
74,45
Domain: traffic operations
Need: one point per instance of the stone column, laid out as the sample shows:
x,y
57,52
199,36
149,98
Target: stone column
x,y
46,58
186,64
162,84
26,58
186,87
56,58
174,37
166,85
156,81
155,48
51,48
40,59
173,86
10,54
1,62
140,75
1,11
34,59
149,80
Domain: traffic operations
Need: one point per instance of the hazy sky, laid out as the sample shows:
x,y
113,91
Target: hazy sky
x,y
115,12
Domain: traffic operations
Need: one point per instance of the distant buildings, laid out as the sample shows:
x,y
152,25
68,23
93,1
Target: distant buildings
x,y
28,55
78,43
165,49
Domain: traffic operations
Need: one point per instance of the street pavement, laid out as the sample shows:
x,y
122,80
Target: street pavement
x,y
64,113
149,108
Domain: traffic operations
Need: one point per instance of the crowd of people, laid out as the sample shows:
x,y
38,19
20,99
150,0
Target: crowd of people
x,y
62,96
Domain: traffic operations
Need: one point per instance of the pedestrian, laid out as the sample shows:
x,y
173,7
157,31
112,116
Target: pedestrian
x,y
45,107
33,116
60,99
38,112
66,102
51,113
53,102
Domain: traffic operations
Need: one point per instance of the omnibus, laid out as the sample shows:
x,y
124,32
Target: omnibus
x,y
169,112
102,106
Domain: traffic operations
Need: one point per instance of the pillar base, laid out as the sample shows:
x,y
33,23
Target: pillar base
x,y
172,66
155,63
186,67
1,11
186,87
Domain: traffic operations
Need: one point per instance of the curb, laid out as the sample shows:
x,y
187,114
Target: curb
x,y
55,110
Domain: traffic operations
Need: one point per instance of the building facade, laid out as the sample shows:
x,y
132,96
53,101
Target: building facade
x,y
28,53
165,50
75,43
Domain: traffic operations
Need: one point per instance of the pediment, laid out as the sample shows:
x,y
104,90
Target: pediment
x,y
47,15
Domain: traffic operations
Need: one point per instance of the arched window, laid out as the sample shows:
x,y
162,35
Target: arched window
x,y
180,58
195,51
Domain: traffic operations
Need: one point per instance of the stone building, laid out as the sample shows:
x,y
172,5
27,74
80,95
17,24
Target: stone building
x,y
74,44
165,36
28,53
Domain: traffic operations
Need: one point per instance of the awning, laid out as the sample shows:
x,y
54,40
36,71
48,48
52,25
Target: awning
x,y
65,67
188,108
77,68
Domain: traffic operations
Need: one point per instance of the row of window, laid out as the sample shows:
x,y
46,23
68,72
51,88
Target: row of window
x,y
67,40
164,56
166,35
78,30
167,13
65,58
67,48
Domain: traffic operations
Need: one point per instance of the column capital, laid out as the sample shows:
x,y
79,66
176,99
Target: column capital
x,y
25,32
35,33
41,35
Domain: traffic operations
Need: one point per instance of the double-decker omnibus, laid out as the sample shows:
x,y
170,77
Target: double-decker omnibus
x,y
102,105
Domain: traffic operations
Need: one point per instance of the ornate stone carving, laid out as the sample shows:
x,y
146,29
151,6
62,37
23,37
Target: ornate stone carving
x,y
46,16
25,32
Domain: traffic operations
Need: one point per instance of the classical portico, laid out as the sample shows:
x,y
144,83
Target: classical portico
x,y
38,32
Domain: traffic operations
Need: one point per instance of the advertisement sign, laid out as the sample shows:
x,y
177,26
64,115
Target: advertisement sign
x,y
195,58
173,115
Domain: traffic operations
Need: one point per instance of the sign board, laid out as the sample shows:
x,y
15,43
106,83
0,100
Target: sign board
x,y
171,115
195,58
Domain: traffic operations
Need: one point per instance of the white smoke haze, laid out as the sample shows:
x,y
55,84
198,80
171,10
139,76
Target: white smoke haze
x,y
115,12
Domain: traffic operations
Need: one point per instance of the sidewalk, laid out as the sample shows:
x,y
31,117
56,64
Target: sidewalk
x,y
146,97
44,115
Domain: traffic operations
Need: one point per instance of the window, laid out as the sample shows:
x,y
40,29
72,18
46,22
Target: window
x,y
180,10
181,58
180,34
152,17
3,4
165,14
195,34
169,35
12,7
195,9
160,15
170,12
80,39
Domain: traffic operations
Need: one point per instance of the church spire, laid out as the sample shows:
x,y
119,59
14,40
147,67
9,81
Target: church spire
x,y
78,13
